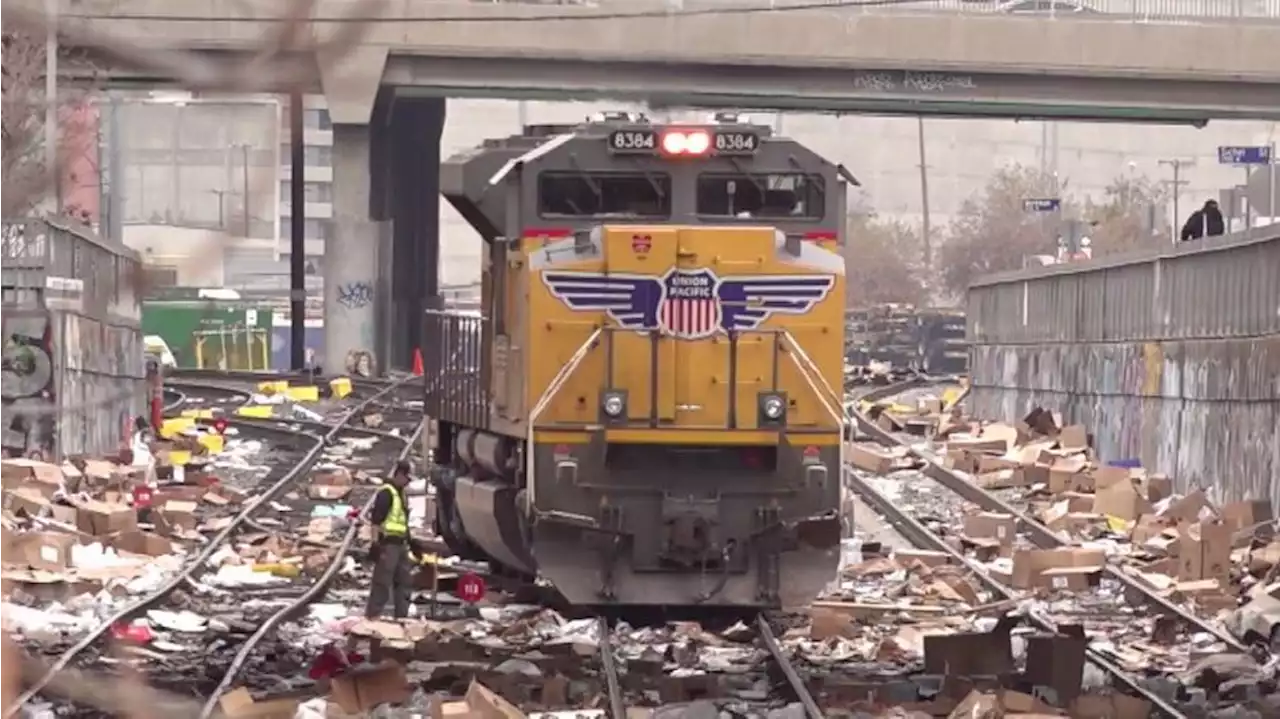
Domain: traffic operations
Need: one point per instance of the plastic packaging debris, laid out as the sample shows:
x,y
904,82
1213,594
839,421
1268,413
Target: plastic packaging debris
x,y
27,620
134,633
279,569
183,621
241,575
304,413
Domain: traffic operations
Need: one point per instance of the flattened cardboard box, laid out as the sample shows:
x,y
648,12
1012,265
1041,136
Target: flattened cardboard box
x,y
41,476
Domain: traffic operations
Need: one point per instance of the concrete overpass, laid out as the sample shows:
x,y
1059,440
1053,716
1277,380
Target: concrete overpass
x,y
835,56
386,96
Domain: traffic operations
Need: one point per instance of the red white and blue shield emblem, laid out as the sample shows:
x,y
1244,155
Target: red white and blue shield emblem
x,y
690,307
688,304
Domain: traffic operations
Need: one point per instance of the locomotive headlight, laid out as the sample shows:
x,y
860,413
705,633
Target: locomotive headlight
x,y
614,405
773,408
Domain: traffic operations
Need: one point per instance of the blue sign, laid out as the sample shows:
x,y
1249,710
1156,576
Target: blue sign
x,y
1042,204
1244,155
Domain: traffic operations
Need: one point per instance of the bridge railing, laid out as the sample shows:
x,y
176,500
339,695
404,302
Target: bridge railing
x,y
1170,356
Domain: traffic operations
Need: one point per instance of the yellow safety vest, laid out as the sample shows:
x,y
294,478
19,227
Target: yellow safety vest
x,y
397,522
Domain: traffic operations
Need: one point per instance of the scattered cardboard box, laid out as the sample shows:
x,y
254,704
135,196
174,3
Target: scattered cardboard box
x,y
364,688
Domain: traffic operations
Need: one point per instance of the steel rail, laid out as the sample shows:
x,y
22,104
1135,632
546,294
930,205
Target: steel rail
x,y
299,421
617,706
269,376
316,591
797,684
1039,534
921,536
197,564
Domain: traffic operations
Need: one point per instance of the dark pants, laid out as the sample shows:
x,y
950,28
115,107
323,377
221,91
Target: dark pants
x,y
392,575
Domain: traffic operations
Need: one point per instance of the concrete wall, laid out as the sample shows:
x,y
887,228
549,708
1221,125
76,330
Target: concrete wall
x,y
1170,357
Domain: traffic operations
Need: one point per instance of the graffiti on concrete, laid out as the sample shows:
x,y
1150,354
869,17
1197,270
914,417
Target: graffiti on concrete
x,y
361,363
355,295
918,82
27,385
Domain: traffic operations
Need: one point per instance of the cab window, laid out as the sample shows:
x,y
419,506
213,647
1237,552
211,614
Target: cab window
x,y
761,195
584,194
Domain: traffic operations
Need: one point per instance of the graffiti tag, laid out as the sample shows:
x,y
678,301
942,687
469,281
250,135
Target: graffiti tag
x,y
355,295
27,385
930,82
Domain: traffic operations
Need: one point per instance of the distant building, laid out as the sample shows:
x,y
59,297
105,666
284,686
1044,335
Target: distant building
x,y
219,167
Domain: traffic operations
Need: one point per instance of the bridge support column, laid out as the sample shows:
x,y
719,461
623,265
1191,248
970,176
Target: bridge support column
x,y
352,280
413,154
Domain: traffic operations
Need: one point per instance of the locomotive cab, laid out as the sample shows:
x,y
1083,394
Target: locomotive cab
x,y
649,410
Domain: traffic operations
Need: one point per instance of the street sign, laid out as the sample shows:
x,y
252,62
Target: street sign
x,y
471,588
1042,204
1244,155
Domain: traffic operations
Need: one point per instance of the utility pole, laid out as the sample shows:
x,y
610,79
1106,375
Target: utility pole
x,y
925,230
115,174
244,188
51,103
1176,184
222,208
297,235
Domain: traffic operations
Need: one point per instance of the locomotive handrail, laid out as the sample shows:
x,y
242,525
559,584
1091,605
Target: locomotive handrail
x,y
545,399
810,370
817,382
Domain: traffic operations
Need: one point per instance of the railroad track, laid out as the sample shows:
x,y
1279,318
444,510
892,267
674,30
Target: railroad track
x,y
765,638
966,492
320,436
314,593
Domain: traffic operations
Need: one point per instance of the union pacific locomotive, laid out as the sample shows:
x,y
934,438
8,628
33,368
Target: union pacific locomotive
x,y
645,411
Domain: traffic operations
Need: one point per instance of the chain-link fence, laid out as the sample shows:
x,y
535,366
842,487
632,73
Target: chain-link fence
x,y
74,364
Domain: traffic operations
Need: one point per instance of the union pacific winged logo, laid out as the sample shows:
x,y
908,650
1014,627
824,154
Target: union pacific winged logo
x,y
689,304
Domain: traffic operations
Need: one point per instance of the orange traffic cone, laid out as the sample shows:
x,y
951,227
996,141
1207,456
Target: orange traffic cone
x,y
417,362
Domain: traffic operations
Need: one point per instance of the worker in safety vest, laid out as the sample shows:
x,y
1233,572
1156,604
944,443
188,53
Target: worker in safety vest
x,y
390,552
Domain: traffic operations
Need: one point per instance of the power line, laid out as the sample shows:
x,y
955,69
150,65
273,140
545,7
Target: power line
x,y
665,13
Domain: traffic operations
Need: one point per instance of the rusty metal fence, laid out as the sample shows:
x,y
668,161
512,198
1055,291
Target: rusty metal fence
x,y
1171,357
74,360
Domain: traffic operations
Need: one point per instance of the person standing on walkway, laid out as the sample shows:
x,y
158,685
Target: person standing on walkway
x,y
390,551
1204,222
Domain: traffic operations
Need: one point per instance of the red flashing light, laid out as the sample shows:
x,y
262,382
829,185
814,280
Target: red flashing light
x,y
820,236
686,142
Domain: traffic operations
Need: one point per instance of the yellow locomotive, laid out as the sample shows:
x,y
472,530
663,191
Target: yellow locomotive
x,y
646,411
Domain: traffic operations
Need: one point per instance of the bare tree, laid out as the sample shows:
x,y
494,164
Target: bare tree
x,y
883,262
24,179
1128,217
994,232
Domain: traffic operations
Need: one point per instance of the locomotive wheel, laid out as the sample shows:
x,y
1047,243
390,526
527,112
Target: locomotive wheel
x,y
445,525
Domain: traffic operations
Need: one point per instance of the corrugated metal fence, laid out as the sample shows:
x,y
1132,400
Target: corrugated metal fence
x,y
1172,356
74,366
